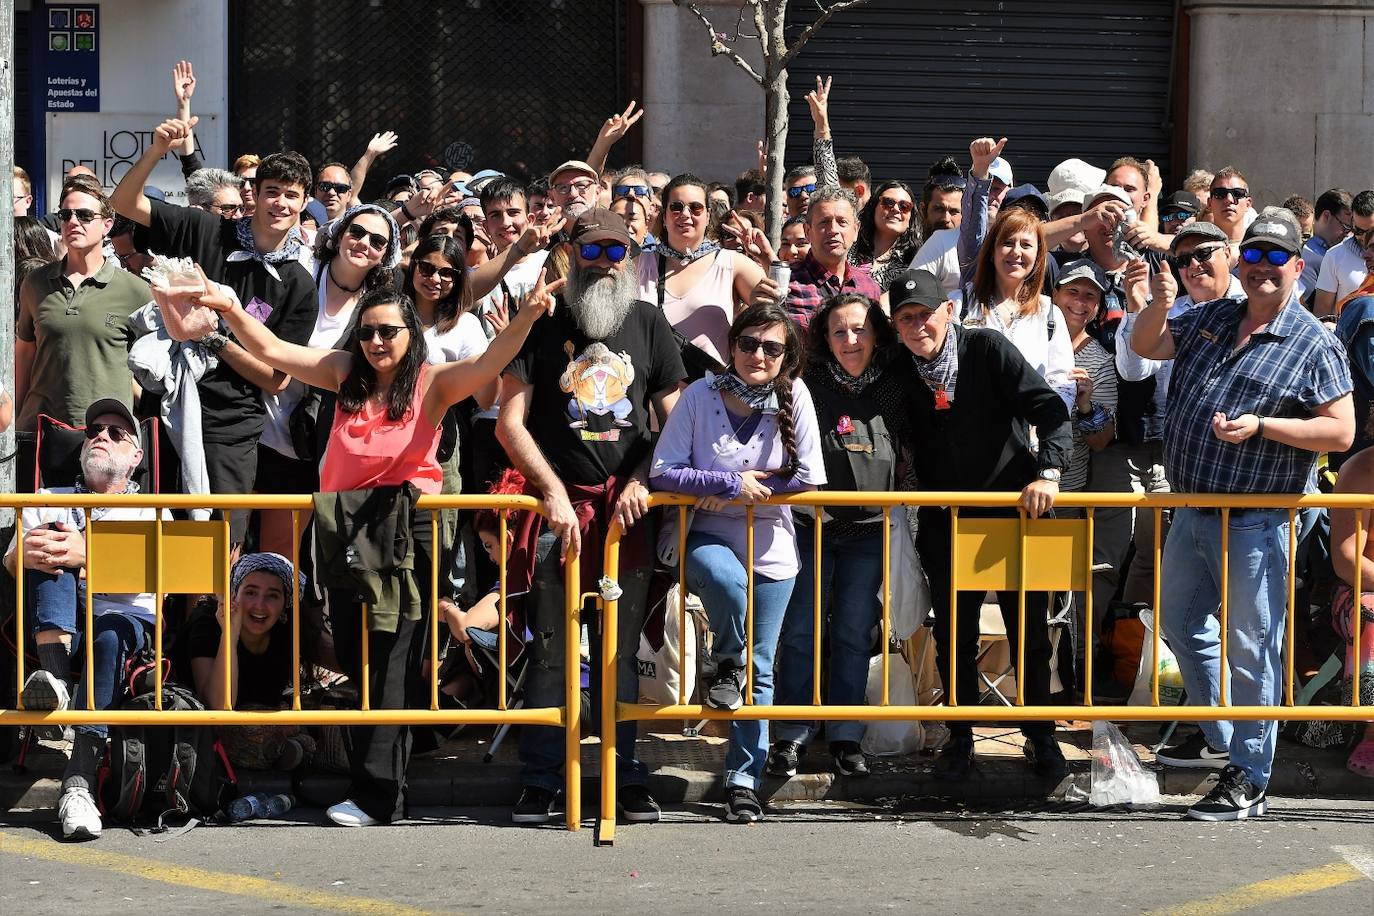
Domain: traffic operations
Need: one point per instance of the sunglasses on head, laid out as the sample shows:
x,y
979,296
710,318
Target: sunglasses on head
x,y
428,270
1200,253
376,241
1238,194
82,215
338,187
798,190
117,434
696,207
947,183
1274,256
630,190
366,332
750,345
615,251
892,203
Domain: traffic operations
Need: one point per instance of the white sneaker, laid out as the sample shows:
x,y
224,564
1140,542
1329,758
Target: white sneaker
x,y
347,814
79,816
45,691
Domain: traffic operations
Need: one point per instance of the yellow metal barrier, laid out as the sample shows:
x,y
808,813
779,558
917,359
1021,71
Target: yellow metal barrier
x,y
998,554
188,557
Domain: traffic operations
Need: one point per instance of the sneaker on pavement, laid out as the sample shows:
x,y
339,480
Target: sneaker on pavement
x,y
1193,754
1233,798
848,758
784,759
1046,757
727,689
742,806
955,762
79,816
534,807
348,814
637,806
44,690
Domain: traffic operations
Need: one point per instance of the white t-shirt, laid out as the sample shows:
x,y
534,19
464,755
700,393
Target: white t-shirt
x,y
462,341
1050,353
940,256
1342,270
519,280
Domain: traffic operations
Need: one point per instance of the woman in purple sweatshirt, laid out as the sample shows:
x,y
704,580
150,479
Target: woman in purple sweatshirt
x,y
732,440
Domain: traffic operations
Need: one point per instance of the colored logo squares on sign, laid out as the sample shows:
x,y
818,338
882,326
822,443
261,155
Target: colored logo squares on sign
x,y
85,41
59,19
59,41
85,18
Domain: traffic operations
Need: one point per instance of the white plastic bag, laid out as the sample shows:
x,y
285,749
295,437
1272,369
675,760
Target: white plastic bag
x,y
1118,776
891,739
1170,678
173,281
910,590
660,647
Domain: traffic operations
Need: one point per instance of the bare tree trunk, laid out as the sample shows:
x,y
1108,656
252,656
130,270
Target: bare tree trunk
x,y
774,41
7,475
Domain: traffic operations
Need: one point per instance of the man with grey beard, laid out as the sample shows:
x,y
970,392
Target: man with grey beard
x,y
575,422
54,555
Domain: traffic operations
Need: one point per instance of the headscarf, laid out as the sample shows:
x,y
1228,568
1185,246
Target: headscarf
x,y
855,385
274,563
758,397
392,256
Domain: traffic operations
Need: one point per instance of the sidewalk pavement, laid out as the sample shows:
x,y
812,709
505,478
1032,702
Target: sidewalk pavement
x,y
687,770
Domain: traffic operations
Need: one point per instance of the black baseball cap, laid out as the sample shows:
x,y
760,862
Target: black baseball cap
x,y
1180,202
916,287
1277,227
115,406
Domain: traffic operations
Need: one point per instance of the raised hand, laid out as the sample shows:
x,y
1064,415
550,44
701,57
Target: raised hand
x,y
618,125
536,237
818,100
183,82
498,316
383,142
1136,282
541,300
212,297
983,151
1163,287
171,132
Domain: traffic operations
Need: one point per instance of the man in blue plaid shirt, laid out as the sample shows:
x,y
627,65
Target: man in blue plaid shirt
x,y
1259,387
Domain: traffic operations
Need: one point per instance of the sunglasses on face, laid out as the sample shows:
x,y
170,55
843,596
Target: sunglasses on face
x,y
82,215
1238,194
366,332
1178,217
338,187
117,434
696,207
428,270
1199,254
798,190
630,190
901,206
1273,255
227,209
375,241
750,345
574,187
615,251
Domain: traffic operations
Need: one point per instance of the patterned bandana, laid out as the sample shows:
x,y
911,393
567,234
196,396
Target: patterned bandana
x,y
289,251
687,257
942,372
855,385
758,397
273,563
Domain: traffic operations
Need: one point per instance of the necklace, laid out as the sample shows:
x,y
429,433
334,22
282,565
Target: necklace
x,y
335,280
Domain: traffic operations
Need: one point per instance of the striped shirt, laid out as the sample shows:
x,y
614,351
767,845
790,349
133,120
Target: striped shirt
x,y
1288,368
1101,367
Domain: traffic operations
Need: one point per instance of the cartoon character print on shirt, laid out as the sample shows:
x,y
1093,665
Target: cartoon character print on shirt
x,y
599,382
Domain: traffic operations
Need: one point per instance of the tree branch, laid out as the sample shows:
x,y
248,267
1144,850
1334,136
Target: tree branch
x,y
837,7
718,46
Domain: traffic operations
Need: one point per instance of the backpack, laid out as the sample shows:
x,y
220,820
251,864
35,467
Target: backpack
x,y
151,772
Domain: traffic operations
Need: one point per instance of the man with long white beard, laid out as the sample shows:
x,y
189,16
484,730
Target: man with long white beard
x,y
575,422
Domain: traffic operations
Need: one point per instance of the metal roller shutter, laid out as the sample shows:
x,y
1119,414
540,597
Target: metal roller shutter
x,y
914,82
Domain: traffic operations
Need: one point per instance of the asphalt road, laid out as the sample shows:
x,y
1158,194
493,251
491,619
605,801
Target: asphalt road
x,y
1307,856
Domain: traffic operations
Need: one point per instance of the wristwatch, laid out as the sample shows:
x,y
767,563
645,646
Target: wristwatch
x,y
1050,474
214,341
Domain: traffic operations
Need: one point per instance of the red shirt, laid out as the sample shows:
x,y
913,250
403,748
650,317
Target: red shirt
x,y
812,284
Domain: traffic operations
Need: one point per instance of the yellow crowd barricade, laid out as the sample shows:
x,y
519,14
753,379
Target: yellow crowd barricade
x,y
165,557
1011,553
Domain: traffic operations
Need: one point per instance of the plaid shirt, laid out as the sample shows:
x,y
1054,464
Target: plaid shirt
x,y
1287,369
812,284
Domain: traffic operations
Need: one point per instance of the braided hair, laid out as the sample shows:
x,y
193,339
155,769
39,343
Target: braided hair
x,y
764,316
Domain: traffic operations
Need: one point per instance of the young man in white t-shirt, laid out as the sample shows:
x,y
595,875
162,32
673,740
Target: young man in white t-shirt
x,y
1346,265
505,215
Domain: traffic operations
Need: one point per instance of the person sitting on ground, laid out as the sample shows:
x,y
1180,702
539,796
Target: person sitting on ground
x,y
1357,476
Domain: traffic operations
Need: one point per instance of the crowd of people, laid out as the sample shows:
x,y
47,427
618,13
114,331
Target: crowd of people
x,y
598,334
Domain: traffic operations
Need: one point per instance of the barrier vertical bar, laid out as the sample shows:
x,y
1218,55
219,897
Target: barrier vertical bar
x,y
1293,593
366,686
90,611
887,596
157,608
682,605
817,615
1088,630
502,556
435,553
951,690
572,682
1158,587
610,629
296,608
19,607
226,597
1022,520
749,605
1356,609
1225,669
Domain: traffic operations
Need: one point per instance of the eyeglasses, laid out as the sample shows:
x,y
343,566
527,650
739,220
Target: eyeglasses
x,y
228,209
750,345
82,215
117,434
1274,256
798,190
1345,227
338,187
696,207
428,270
1363,237
366,332
374,240
1200,253
630,190
1238,194
615,251
573,187
123,259
892,203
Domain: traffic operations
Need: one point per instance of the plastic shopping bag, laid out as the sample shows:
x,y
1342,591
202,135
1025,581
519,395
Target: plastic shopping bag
x,y
1170,678
661,644
891,739
910,590
1118,776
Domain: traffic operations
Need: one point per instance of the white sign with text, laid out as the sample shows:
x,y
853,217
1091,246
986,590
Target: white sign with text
x,y
109,143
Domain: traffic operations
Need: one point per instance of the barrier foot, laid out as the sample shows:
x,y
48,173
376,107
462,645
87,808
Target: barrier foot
x,y
605,833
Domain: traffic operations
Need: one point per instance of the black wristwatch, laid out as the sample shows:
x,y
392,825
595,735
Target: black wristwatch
x,y
214,341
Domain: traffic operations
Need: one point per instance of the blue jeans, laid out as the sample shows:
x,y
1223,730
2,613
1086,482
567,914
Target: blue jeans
x,y
852,611
541,746
117,637
1190,619
716,575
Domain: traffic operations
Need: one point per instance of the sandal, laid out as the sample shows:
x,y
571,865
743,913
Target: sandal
x,y
1361,760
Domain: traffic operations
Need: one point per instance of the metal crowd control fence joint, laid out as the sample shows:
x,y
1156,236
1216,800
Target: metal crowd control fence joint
x,y
1011,554
163,557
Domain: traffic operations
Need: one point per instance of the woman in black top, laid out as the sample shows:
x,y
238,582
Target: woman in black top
x,y
863,426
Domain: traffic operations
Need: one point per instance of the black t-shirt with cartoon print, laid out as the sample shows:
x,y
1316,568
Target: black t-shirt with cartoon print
x,y
590,400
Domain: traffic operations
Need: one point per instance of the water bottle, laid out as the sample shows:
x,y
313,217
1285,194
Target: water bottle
x,y
278,805
780,274
247,808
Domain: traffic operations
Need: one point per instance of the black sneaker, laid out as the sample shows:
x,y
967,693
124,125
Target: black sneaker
x,y
534,807
848,758
742,806
1193,754
784,758
637,806
1233,798
727,690
1046,757
955,762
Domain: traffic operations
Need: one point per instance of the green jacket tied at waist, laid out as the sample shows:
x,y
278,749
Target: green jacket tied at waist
x,y
364,545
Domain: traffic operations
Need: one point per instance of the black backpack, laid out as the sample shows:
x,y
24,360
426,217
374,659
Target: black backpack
x,y
151,773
